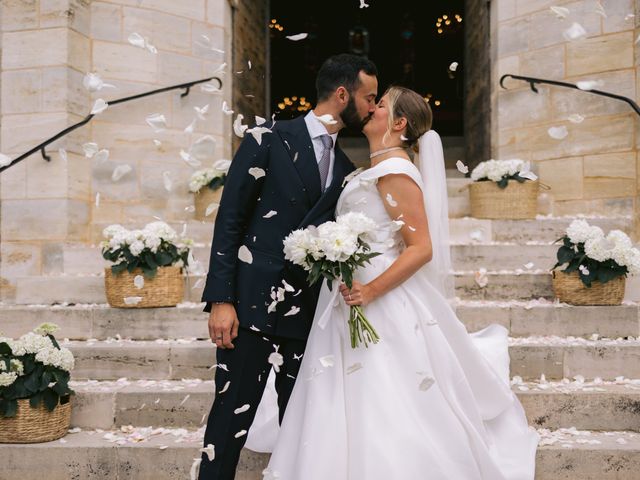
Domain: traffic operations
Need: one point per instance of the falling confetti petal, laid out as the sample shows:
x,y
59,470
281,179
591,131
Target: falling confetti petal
x,y
138,281
287,287
576,118
191,127
157,121
630,16
244,254
529,265
462,168
194,468
257,133
327,119
354,368
225,109
391,201
249,64
212,207
102,156
600,10
190,160
166,179
297,37
242,409
120,171
257,172
294,310
590,84
327,361
241,433
561,12
94,83
4,160
270,214
574,32
226,387
99,106
210,451
157,143
97,199
481,277
209,88
238,127
90,149
136,40
276,360
426,384
454,66
260,120
363,4
201,112
132,300
558,133
63,154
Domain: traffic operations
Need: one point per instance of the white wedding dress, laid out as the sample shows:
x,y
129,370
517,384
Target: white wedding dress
x,y
428,402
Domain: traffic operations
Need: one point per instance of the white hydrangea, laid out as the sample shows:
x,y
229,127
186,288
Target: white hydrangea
x,y
358,222
62,358
16,366
7,378
161,230
30,342
136,248
580,231
203,177
337,242
496,169
46,328
113,231
599,249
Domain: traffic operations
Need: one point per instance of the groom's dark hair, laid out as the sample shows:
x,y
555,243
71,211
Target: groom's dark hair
x,y
342,70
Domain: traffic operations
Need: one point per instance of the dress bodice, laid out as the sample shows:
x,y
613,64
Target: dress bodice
x,y
361,195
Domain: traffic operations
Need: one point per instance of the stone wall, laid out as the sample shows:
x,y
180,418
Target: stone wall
x,y
53,212
595,168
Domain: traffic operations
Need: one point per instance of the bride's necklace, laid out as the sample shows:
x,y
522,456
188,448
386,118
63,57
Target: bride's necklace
x,y
383,151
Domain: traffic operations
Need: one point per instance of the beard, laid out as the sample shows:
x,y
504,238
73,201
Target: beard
x,y
351,118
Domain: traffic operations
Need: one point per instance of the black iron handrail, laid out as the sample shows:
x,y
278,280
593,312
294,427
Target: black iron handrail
x,y
186,86
532,83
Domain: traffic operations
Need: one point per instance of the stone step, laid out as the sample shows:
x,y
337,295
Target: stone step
x,y
186,403
52,289
168,455
531,357
522,319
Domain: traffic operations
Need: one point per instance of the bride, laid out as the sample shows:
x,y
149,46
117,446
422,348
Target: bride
x,y
429,401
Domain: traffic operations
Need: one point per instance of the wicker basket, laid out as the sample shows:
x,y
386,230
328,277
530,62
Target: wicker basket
x,y
35,425
569,289
203,198
516,201
166,289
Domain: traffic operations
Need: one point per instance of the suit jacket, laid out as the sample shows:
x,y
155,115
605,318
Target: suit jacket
x,y
291,187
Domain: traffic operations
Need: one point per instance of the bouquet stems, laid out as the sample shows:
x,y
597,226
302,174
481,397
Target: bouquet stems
x,y
360,330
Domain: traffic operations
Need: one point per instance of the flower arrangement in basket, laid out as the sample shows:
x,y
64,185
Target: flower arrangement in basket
x,y
597,265
206,185
34,387
147,270
334,250
503,189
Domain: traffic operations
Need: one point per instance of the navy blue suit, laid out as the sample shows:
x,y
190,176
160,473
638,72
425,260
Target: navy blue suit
x,y
291,187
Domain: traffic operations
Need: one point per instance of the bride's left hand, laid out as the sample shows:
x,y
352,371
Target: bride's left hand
x,y
360,294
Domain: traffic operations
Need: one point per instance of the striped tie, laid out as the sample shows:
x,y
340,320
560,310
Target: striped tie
x,y
325,157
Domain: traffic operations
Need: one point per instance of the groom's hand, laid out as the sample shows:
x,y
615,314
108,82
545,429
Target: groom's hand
x,y
223,325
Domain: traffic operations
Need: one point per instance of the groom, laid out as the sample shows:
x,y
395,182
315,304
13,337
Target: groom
x,y
292,180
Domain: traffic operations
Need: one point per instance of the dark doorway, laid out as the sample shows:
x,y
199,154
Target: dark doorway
x,y
412,43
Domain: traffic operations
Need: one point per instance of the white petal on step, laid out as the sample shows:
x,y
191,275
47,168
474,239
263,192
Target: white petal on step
x,y
297,37
157,121
225,388
260,120
90,149
476,235
558,133
5,160
225,109
327,119
574,32
210,450
136,40
193,473
102,156
132,300
426,384
120,171
138,281
242,409
454,66
257,172
212,207
166,180
587,85
327,361
560,12
270,214
629,16
241,433
244,254
575,118
238,127
94,83
391,201
462,168
99,106
293,311
354,368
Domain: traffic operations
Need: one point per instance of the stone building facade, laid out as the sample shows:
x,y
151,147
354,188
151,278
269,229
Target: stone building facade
x,y
52,213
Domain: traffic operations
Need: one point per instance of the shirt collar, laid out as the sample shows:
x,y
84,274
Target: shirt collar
x,y
317,128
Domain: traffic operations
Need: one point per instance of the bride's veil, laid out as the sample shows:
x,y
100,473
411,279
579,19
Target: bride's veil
x,y
432,169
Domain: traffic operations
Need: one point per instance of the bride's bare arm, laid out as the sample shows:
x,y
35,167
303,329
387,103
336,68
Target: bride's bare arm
x,y
403,200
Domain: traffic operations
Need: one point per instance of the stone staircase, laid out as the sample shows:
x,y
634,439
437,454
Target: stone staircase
x,y
144,378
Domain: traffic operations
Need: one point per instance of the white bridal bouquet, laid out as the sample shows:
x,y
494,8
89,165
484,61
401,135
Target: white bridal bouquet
x,y
596,256
501,171
212,177
333,251
33,367
156,245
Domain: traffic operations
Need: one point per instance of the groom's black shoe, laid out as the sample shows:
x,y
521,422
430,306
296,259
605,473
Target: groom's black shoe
x,y
242,375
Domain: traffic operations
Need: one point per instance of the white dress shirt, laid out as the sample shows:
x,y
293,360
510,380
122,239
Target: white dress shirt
x,y
316,129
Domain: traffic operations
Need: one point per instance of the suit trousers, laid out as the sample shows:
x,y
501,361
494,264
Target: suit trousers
x,y
242,373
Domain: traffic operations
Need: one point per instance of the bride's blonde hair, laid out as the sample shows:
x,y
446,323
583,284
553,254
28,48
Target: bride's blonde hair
x,y
403,102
